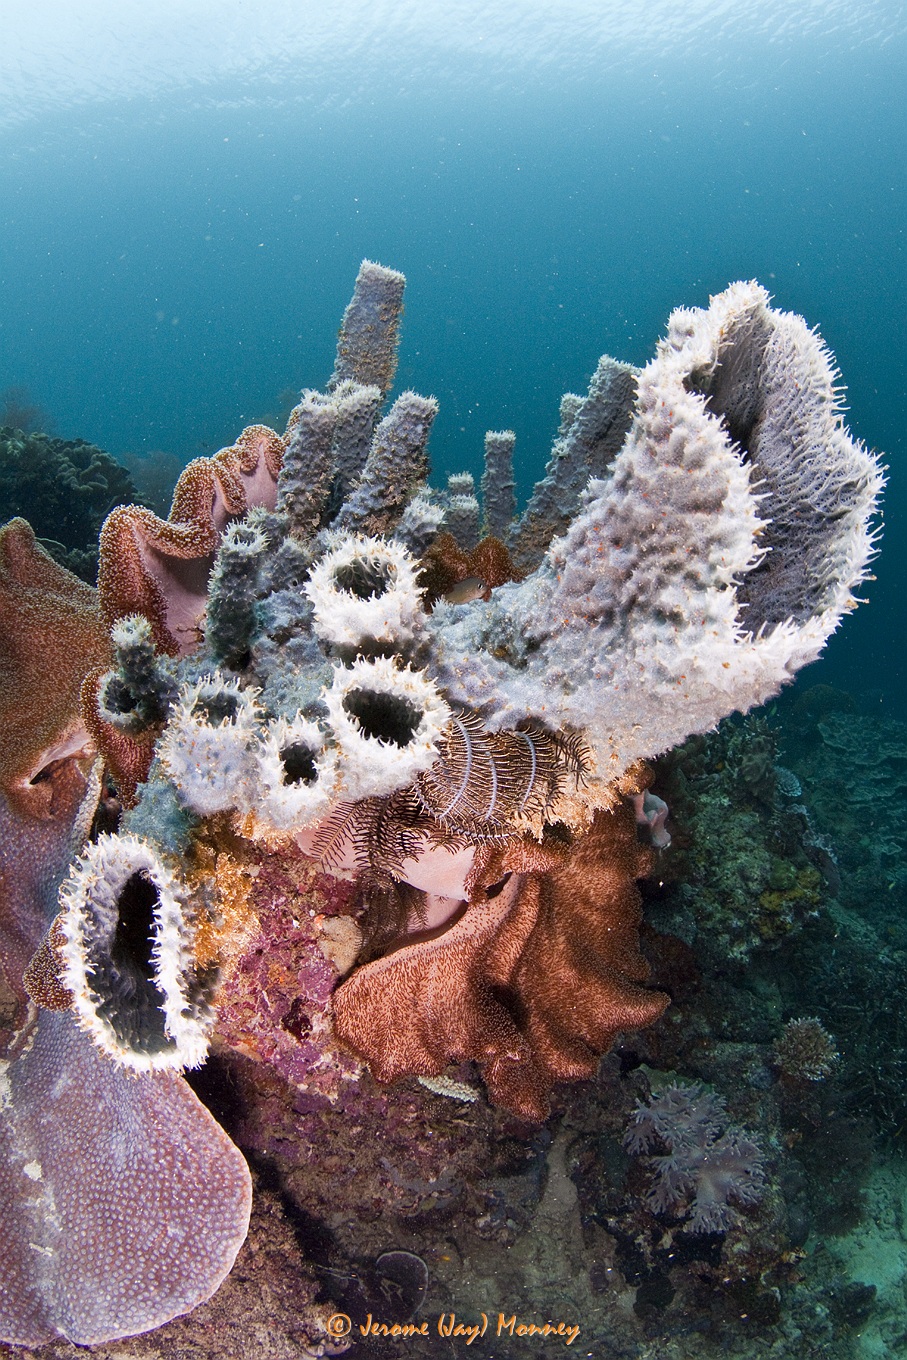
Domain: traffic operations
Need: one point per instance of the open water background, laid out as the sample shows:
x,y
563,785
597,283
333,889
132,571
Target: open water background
x,y
186,192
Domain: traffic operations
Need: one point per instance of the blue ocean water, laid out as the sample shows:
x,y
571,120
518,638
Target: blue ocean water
x,y
173,264
187,188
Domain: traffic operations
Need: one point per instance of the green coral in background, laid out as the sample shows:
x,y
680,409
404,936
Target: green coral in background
x,y
740,875
64,488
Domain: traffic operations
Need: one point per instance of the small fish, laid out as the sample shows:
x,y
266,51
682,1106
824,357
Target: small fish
x,y
470,588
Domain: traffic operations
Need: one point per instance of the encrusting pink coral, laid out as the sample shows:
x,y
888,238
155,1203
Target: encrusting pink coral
x,y
294,936
160,568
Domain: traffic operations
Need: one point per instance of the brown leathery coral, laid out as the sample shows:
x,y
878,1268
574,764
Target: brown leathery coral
x,y
532,981
51,635
160,568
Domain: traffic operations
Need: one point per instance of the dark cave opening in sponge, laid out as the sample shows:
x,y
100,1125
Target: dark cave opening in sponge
x,y
133,939
298,761
123,971
386,717
215,708
364,577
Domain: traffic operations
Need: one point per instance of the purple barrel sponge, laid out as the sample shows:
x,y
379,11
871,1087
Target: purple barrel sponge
x,y
124,1203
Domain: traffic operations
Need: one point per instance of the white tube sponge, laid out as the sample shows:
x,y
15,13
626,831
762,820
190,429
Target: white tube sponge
x,y
397,463
294,778
128,957
364,590
387,721
206,745
688,587
369,331
706,569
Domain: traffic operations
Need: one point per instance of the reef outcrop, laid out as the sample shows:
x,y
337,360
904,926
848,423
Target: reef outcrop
x,y
299,650
319,675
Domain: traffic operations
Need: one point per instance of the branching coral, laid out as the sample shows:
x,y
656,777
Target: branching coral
x,y
805,1051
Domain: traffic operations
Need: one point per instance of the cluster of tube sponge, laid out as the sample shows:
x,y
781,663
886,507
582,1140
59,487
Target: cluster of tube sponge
x,y
382,729
700,531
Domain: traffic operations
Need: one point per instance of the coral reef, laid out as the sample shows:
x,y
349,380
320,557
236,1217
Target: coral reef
x,y
742,872
64,488
668,593
866,757
377,784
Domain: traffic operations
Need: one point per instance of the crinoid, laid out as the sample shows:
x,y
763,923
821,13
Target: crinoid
x,y
378,835
486,784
